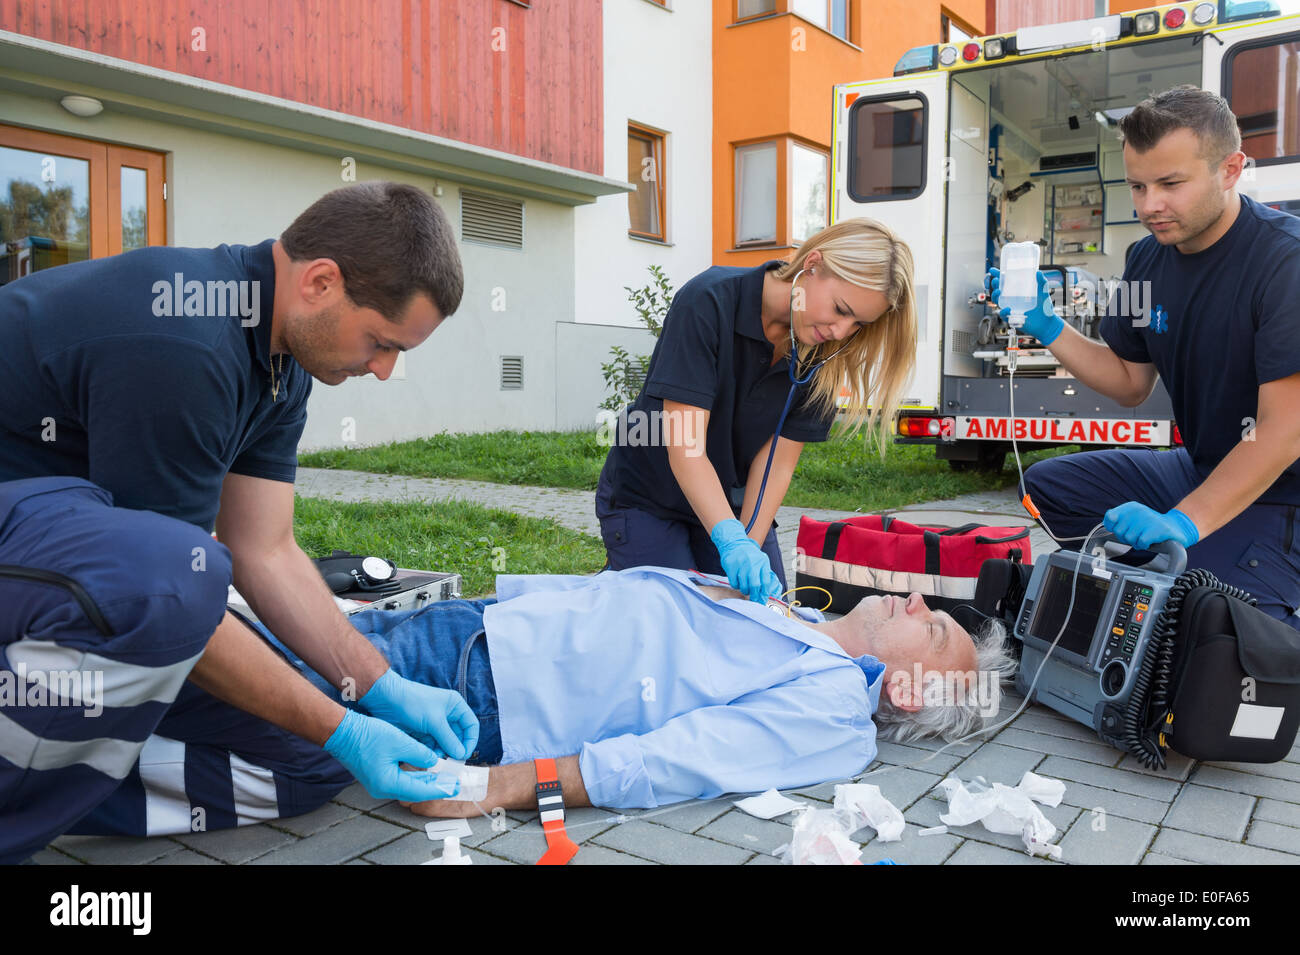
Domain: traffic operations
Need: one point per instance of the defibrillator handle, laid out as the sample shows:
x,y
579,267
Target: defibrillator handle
x,y
1174,554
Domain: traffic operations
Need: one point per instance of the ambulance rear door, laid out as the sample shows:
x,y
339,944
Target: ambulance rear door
x,y
890,143
1256,68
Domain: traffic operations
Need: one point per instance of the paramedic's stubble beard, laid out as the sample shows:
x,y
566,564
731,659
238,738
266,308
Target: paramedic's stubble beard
x,y
312,341
1193,223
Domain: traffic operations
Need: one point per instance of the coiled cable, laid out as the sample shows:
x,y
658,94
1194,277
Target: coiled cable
x,y
1150,705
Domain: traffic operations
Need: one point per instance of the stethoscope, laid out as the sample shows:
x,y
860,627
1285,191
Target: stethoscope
x,y
795,382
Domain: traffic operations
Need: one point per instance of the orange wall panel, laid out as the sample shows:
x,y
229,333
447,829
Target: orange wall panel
x,y
766,86
427,65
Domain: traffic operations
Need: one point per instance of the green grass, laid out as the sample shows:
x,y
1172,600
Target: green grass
x,y
838,474
848,475
542,458
451,536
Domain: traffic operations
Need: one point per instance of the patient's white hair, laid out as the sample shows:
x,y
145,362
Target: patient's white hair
x,y
948,714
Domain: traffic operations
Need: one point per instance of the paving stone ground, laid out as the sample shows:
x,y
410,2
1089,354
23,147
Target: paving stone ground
x,y
1114,811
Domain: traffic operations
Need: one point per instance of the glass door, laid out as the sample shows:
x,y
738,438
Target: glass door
x,y
64,200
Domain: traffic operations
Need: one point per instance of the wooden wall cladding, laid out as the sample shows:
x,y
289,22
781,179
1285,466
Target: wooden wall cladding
x,y
524,80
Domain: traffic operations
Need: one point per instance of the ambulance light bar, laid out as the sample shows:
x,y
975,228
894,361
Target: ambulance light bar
x,y
918,60
1232,10
1095,32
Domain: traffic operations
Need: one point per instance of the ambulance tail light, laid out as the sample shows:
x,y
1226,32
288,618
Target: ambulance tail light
x,y
1175,18
919,426
1177,436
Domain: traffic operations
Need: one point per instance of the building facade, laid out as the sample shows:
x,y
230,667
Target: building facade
x,y
221,122
573,145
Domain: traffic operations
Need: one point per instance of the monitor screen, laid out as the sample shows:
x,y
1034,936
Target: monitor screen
x,y
1054,599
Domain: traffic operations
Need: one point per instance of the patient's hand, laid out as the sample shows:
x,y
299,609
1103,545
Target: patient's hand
x,y
508,788
454,808
511,786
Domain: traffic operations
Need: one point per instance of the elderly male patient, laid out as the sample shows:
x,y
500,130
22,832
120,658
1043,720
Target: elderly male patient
x,y
648,688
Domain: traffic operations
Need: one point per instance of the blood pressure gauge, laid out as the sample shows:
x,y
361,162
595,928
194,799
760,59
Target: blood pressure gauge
x,y
377,570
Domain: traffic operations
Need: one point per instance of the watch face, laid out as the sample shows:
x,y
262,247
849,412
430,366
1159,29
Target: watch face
x,y
376,568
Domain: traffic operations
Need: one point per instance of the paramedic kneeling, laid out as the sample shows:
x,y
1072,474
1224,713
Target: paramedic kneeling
x,y
137,415
1219,278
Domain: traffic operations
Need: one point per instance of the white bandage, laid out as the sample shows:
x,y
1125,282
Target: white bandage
x,y
473,779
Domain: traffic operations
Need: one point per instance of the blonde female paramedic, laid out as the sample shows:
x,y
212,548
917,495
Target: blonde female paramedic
x,y
748,356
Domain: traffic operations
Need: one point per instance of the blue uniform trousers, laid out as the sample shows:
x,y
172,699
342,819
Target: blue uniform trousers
x,y
103,613
636,538
1258,550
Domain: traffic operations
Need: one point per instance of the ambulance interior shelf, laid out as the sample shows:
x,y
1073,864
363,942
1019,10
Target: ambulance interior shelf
x,y
1074,218
1083,311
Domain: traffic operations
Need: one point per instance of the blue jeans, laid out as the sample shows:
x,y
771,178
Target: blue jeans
x,y
440,644
1258,550
636,538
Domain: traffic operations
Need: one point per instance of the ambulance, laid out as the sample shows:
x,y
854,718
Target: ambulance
x,y
1014,138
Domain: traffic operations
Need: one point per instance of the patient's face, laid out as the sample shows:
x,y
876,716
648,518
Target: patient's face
x,y
901,632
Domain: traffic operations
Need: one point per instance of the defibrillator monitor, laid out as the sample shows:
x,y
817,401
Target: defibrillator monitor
x,y
1049,610
1094,667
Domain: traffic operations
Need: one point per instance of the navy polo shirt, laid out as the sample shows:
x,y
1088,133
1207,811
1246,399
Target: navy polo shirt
x,y
1218,324
711,354
149,373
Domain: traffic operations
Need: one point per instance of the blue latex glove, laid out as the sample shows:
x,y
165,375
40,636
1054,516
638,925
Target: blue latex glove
x,y
1041,321
747,567
1140,526
438,718
373,751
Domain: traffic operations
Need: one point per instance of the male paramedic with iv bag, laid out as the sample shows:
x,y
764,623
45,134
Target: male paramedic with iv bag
x,y
1219,277
691,456
135,416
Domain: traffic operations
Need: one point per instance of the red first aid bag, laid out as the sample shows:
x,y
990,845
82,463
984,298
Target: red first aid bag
x,y
880,555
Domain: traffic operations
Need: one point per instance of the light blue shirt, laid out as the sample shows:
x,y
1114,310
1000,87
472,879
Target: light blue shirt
x,y
667,695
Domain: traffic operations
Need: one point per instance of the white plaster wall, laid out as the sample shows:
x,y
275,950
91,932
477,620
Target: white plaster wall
x,y
224,188
658,72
